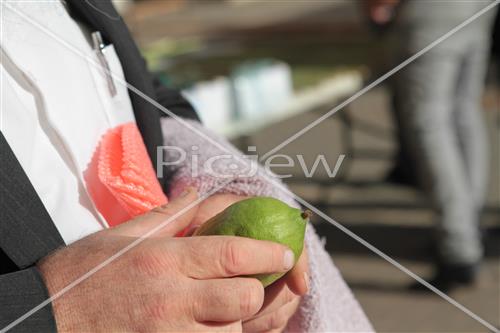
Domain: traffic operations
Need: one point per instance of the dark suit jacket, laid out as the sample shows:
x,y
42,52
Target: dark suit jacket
x,y
27,232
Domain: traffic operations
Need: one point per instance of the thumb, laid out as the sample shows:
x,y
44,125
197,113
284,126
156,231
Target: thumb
x,y
174,216
298,278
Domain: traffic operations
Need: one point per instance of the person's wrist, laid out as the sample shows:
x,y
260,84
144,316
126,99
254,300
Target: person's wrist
x,y
51,281
55,278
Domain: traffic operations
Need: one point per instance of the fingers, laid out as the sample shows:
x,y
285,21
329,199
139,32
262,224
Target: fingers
x,y
219,327
214,205
227,300
277,295
274,321
170,218
206,257
298,278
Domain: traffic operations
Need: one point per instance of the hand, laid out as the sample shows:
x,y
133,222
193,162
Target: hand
x,y
211,207
281,298
162,284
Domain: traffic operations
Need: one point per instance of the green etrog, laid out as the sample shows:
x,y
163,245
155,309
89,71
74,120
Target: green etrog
x,y
261,218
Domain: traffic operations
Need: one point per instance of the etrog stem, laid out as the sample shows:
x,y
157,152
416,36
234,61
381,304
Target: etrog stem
x,y
306,214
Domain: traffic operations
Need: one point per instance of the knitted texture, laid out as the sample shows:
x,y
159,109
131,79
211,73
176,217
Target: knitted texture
x,y
329,305
120,178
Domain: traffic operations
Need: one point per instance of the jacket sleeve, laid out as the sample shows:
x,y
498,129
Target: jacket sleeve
x,y
20,292
329,305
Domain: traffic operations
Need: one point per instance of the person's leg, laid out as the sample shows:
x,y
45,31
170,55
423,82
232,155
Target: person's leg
x,y
470,127
402,171
428,87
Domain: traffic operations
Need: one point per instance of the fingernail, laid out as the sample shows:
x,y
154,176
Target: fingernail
x,y
288,259
306,280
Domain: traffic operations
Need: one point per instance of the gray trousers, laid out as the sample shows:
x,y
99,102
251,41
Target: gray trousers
x,y
439,98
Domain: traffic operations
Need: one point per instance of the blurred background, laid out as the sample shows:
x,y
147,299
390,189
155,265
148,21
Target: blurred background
x,y
259,71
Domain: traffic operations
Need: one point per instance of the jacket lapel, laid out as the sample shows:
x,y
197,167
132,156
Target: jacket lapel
x,y
100,15
26,229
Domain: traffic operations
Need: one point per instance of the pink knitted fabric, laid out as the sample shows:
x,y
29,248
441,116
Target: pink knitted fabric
x,y
120,178
329,306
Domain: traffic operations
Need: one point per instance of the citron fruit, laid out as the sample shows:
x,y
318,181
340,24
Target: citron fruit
x,y
261,218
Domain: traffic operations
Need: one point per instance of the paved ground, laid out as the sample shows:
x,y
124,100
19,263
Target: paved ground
x,y
396,219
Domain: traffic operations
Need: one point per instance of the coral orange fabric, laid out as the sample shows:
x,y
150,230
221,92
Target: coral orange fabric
x,y
121,179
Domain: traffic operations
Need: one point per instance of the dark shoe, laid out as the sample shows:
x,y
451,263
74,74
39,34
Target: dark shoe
x,y
449,276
